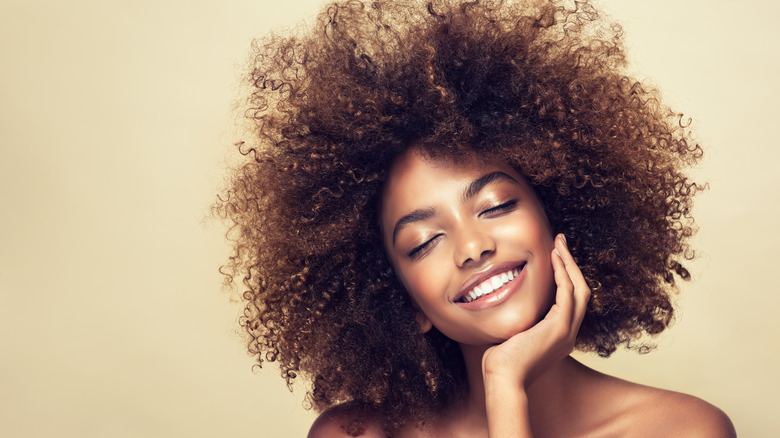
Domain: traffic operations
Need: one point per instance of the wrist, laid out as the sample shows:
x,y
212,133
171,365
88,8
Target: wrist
x,y
496,382
496,376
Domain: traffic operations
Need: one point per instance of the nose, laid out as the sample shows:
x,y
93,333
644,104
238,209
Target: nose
x,y
473,246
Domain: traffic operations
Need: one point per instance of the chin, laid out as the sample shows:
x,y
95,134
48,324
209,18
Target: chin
x,y
511,325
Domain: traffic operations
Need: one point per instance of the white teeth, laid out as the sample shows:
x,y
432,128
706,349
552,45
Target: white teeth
x,y
490,285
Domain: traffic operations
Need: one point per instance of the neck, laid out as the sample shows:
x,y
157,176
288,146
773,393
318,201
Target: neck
x,y
548,392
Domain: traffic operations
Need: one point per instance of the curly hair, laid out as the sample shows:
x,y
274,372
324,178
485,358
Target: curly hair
x,y
537,84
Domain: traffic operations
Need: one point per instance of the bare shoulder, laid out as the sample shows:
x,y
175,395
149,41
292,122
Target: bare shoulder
x,y
622,408
669,413
347,420
642,411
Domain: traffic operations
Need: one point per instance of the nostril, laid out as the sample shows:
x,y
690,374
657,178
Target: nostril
x,y
473,245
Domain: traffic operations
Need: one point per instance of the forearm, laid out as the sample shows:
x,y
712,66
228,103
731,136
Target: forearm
x,y
507,409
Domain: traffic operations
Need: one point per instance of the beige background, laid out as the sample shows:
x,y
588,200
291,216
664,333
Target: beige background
x,y
115,123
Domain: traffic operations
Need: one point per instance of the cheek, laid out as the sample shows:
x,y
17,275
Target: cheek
x,y
426,283
422,285
531,232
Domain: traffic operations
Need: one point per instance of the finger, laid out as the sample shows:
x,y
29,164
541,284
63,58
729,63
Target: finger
x,y
564,293
581,291
568,261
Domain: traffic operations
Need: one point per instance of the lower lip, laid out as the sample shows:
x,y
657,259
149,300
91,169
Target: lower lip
x,y
496,297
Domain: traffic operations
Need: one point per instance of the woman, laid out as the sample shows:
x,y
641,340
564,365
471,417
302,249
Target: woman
x,y
396,225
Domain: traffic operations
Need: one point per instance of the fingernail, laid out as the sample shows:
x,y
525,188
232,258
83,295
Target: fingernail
x,y
557,252
563,238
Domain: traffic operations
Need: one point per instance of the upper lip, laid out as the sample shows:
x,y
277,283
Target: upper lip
x,y
478,277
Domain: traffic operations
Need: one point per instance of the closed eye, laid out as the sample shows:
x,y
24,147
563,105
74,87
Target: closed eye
x,y
499,209
419,250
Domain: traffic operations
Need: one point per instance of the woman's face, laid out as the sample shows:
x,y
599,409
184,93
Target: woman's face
x,y
471,244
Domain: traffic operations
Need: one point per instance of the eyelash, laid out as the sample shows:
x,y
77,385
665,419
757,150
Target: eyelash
x,y
499,208
417,250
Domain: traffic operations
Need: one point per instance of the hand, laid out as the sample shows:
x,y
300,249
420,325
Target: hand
x,y
527,355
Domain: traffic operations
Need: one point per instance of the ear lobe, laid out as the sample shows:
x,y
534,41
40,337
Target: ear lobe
x,y
423,321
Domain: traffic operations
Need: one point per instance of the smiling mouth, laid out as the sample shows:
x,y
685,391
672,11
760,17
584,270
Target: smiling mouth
x,y
491,285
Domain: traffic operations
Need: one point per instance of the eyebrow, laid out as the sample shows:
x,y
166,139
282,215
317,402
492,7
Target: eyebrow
x,y
415,216
480,183
475,187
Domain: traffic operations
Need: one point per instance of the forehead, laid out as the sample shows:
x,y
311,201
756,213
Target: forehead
x,y
415,165
416,181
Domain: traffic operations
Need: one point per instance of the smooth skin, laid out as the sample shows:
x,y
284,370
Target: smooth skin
x,y
521,381
509,369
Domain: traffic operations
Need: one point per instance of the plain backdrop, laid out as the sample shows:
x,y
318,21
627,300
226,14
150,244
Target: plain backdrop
x,y
117,119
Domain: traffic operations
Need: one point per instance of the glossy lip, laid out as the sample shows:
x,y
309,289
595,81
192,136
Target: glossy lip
x,y
477,278
496,297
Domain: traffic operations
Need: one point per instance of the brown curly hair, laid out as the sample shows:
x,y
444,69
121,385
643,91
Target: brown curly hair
x,y
536,84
